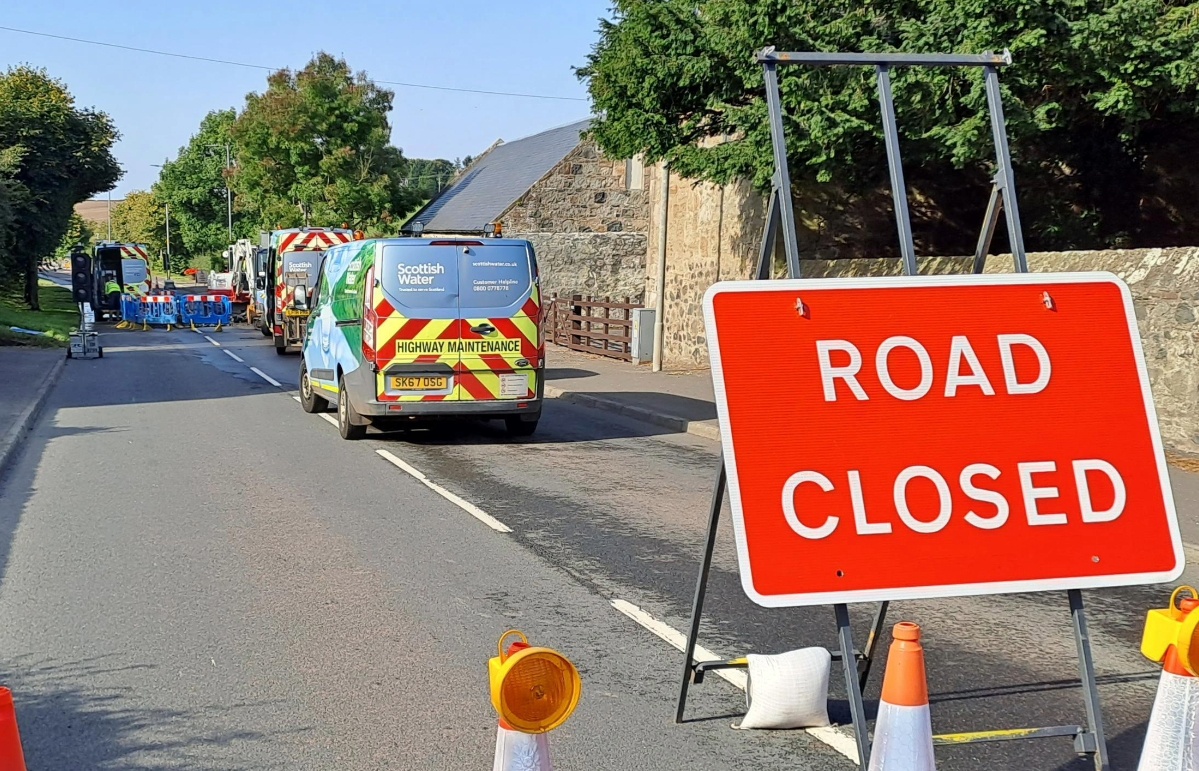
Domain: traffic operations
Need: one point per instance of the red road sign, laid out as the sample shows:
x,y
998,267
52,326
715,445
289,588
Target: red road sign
x,y
938,436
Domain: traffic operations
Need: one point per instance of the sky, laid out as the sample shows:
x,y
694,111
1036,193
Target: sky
x,y
157,102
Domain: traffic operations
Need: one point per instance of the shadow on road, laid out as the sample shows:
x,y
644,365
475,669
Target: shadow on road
x,y
16,482
70,720
561,423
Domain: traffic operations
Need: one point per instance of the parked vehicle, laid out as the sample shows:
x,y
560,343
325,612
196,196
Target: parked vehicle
x,y
294,259
411,328
240,280
125,264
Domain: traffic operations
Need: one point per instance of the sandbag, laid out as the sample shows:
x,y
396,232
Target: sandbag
x,y
788,690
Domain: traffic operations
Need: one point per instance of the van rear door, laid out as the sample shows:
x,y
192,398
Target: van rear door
x,y
416,322
500,331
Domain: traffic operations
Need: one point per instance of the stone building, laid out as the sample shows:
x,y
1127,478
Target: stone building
x,y
586,215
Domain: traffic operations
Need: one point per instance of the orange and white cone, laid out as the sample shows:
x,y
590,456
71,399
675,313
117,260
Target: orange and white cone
x,y
903,733
12,757
1172,740
516,751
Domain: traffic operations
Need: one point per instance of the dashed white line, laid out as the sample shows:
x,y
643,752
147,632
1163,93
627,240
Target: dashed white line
x,y
834,738
329,419
465,505
234,356
214,342
296,398
266,377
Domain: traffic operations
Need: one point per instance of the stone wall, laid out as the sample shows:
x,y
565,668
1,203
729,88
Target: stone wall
x,y
596,264
1165,293
585,193
714,234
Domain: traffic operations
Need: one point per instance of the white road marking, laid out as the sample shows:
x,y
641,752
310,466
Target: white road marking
x,y
465,505
198,332
329,419
266,377
234,356
214,342
296,398
839,740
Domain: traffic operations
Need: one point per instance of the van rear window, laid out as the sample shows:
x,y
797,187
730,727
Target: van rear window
x,y
495,276
419,276
300,268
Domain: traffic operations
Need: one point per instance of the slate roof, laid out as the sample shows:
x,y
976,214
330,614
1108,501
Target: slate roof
x,y
497,180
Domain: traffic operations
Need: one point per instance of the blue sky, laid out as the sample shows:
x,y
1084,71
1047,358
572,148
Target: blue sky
x,y
157,102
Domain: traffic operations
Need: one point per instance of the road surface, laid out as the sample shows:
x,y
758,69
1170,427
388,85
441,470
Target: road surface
x,y
196,574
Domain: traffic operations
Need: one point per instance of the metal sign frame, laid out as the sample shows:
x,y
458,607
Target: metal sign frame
x,y
780,215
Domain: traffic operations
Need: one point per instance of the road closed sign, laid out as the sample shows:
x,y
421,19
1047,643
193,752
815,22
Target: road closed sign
x,y
938,436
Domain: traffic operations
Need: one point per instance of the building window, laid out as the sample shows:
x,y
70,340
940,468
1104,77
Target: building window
x,y
634,173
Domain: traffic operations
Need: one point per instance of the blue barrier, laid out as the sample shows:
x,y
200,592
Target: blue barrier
x,y
159,309
205,310
131,311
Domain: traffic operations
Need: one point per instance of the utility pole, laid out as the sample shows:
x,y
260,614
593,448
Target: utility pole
x,y
228,148
167,261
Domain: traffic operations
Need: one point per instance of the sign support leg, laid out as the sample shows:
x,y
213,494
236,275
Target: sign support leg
x,y
701,589
770,234
1093,741
876,629
782,170
1004,178
849,664
990,222
899,189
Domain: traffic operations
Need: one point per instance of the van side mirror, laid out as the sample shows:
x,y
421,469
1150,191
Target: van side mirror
x,y
260,282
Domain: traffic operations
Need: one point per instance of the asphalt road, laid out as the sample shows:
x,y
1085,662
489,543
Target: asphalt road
x,y
196,574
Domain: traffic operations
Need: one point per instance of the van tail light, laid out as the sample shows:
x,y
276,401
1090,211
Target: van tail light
x,y
369,318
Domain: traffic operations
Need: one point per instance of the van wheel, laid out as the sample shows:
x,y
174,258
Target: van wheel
x,y
347,418
309,401
266,331
518,427
280,346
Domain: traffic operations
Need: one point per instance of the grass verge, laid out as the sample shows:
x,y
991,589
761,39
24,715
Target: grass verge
x,y
57,317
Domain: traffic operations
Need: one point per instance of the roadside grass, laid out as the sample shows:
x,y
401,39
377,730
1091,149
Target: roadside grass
x,y
57,317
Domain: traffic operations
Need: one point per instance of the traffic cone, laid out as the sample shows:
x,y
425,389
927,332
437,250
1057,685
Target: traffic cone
x,y
12,758
516,751
903,733
1172,741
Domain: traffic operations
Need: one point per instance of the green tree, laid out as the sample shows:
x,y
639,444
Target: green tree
x,y
57,155
79,231
429,177
313,149
194,185
141,219
1101,102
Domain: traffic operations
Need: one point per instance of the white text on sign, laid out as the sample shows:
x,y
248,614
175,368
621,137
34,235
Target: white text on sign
x,y
933,522
962,370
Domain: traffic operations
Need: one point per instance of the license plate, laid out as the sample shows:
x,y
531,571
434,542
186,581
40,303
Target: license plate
x,y
423,383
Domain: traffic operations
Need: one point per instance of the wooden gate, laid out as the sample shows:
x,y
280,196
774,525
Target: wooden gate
x,y
592,325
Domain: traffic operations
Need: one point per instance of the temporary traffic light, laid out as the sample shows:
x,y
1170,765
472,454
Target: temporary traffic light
x,y
534,690
81,277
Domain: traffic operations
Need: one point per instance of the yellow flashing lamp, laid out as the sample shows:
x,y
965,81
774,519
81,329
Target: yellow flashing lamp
x,y
1177,625
534,690
359,235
